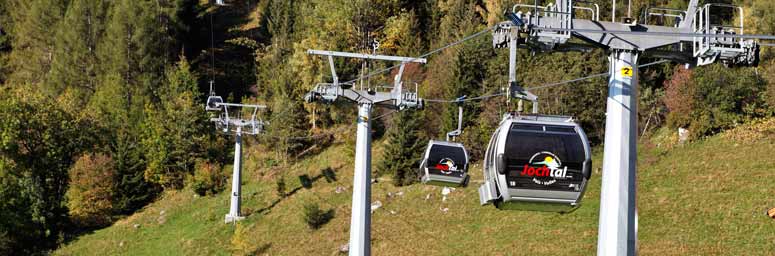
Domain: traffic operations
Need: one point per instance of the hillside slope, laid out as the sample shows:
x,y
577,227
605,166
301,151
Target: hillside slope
x,y
703,198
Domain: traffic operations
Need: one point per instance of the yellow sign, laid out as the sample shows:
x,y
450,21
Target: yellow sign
x,y
627,71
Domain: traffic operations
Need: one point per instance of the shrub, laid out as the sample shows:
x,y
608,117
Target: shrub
x,y
316,217
725,97
90,196
208,179
712,98
6,244
281,189
679,98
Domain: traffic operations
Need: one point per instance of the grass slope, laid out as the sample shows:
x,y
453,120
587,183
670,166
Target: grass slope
x,y
704,198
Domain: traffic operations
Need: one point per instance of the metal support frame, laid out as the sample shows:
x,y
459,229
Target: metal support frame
x,y
515,91
618,220
236,124
360,220
617,232
454,134
236,181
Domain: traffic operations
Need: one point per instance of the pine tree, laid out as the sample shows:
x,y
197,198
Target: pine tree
x,y
133,48
75,60
31,59
174,131
111,112
403,149
6,23
286,125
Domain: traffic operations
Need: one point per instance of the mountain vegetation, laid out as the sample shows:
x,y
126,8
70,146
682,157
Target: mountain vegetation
x,y
102,112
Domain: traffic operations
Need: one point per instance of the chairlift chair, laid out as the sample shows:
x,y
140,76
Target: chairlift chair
x,y
536,162
445,163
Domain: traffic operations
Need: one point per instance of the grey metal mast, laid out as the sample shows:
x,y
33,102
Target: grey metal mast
x,y
549,28
397,98
234,123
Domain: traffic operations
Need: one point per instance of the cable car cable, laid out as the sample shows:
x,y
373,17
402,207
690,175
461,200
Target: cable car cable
x,y
212,50
543,86
464,39
329,133
665,34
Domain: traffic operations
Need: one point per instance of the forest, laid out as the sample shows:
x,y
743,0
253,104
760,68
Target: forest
x,y
102,102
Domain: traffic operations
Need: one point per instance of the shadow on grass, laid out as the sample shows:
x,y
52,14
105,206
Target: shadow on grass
x,y
316,217
328,173
261,250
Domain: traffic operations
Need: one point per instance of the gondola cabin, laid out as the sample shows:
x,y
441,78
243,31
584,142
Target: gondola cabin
x,y
536,162
445,164
213,103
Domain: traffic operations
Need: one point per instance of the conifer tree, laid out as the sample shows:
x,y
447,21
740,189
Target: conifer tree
x,y
33,52
403,149
287,124
75,60
111,112
174,130
6,23
133,49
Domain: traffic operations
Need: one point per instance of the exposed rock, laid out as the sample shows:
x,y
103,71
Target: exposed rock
x,y
376,205
683,135
444,192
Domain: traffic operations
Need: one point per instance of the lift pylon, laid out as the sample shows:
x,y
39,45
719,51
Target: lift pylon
x,y
698,41
236,124
397,98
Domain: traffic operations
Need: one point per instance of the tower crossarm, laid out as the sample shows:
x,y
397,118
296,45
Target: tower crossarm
x,y
397,97
697,32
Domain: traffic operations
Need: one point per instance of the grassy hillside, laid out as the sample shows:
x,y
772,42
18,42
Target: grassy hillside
x,y
703,198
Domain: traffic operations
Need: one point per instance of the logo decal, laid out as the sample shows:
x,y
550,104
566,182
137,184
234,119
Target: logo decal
x,y
446,166
545,168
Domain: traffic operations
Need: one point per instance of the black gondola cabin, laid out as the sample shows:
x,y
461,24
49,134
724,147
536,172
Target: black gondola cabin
x,y
536,162
445,164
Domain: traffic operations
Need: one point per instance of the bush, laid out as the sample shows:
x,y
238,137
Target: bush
x,y
208,179
90,196
5,244
281,189
316,217
724,98
679,98
713,98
